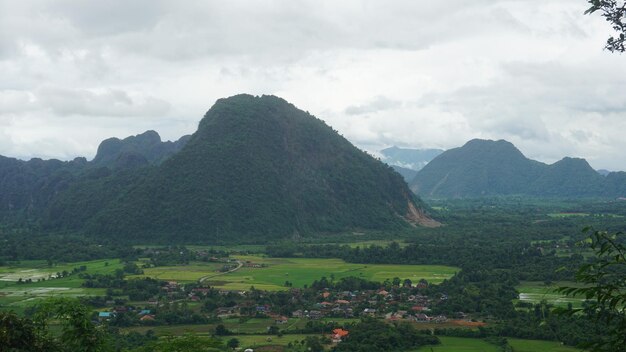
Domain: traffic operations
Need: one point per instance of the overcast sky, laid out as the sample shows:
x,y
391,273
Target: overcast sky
x,y
412,73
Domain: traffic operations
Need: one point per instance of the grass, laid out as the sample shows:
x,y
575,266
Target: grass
x,y
520,345
251,341
535,292
17,297
180,273
303,271
460,344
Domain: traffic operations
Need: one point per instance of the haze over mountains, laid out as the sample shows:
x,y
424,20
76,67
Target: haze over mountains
x,y
256,168
493,168
407,162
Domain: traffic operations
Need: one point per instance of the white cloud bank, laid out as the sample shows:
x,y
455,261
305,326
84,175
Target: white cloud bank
x,y
409,73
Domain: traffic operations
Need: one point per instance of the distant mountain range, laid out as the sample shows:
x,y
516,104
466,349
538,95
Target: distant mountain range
x,y
408,161
257,168
492,168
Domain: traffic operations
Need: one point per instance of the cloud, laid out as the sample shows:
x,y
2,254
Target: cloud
x,y
109,102
381,73
379,103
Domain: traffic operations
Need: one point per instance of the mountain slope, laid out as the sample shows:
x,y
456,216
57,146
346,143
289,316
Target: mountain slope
x,y
133,151
490,168
256,168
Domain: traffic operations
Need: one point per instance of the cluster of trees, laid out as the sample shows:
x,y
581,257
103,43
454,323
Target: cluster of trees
x,y
371,335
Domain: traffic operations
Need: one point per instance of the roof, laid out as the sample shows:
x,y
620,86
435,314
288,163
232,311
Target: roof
x,y
104,315
341,332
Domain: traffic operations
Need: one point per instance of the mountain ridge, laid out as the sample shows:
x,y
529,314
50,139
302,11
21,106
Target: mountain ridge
x,y
492,168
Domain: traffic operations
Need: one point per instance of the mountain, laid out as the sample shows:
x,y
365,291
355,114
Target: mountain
x,y
413,159
134,151
491,168
407,174
256,168
26,187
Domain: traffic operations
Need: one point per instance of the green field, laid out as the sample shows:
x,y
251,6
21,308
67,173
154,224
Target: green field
x,y
181,273
459,344
535,292
14,296
301,271
539,346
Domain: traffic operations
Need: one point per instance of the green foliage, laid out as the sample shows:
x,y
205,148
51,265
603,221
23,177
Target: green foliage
x,y
185,343
75,332
613,12
604,284
372,335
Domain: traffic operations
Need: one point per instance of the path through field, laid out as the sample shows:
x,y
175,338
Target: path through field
x,y
239,265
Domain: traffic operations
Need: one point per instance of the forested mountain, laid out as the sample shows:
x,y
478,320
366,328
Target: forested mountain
x,y
489,168
142,149
407,174
257,167
28,187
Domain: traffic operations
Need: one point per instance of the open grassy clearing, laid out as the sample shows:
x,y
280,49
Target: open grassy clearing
x,y
15,296
460,344
252,341
303,271
520,345
180,273
535,292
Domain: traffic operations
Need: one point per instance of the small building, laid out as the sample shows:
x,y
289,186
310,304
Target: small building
x,y
339,334
281,320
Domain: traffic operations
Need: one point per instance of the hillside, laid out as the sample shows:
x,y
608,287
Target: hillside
x,y
257,168
491,168
133,151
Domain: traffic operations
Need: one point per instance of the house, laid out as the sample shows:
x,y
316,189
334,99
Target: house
x,y
369,312
419,309
315,314
342,302
145,311
339,334
281,320
298,314
422,318
440,319
147,317
105,315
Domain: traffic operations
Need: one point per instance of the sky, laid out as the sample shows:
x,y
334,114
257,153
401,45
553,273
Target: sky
x,y
414,73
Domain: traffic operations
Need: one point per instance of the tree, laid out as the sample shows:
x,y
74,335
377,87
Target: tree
x,y
604,285
75,330
613,12
233,343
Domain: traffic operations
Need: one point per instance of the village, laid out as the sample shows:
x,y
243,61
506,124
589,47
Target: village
x,y
326,306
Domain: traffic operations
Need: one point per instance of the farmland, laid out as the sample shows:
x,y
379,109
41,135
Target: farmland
x,y
520,345
298,271
17,296
458,344
535,292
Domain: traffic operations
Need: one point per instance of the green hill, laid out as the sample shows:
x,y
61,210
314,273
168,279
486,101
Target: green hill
x,y
133,151
491,168
257,168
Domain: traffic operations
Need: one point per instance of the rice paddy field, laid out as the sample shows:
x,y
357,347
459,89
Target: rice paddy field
x,y
303,271
460,344
520,345
535,292
18,296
